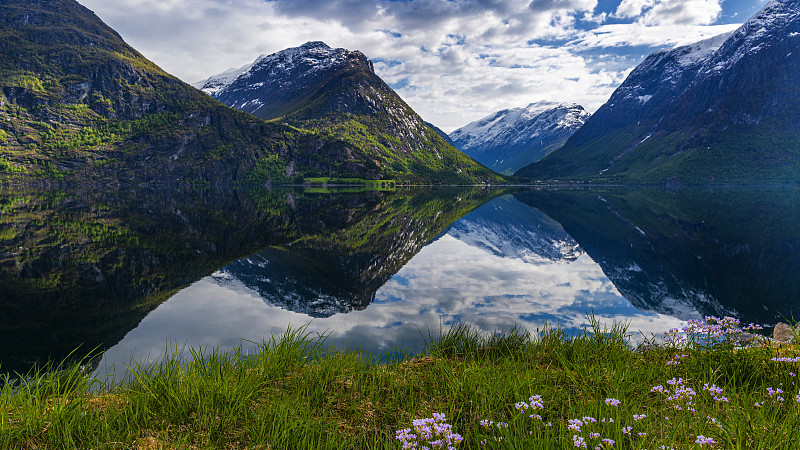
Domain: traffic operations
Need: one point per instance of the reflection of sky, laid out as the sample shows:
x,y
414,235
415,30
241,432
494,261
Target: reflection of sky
x,y
447,282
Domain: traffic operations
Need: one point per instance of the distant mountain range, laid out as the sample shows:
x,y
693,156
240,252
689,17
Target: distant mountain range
x,y
336,92
77,104
726,109
513,138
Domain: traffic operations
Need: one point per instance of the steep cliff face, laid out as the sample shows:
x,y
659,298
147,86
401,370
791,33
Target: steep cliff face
x,y
513,138
724,109
336,92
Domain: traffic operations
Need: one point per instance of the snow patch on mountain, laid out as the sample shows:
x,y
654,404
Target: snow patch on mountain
x,y
213,84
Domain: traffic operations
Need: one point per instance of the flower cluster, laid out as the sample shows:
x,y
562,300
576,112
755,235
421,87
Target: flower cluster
x,y
709,332
534,404
676,360
429,433
786,360
612,402
702,440
713,421
680,395
775,394
716,391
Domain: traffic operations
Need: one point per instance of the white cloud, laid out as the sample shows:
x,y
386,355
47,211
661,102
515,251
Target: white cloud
x,y
670,12
452,61
683,12
628,9
638,34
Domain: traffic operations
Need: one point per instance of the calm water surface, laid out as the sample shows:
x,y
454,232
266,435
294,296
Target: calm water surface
x,y
135,272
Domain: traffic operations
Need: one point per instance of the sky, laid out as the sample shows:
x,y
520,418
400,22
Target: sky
x,y
452,61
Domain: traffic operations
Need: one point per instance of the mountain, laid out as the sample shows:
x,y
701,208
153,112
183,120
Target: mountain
x,y
513,138
508,228
726,109
77,104
335,92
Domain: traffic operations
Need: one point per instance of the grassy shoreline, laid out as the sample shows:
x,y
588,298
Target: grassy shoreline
x,y
295,392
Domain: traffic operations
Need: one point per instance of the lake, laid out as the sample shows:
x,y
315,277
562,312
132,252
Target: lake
x,y
133,272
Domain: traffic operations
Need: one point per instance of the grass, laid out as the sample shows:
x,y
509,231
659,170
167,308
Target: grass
x,y
294,391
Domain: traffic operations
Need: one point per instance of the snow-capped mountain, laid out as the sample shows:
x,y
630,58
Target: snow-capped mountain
x,y
513,138
700,112
336,91
264,87
508,228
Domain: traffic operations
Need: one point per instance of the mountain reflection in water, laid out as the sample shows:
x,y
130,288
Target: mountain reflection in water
x,y
132,272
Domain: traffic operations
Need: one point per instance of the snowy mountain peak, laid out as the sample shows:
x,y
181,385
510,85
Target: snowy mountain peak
x,y
307,58
512,138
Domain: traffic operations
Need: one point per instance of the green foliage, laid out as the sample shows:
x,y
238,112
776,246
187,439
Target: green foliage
x,y
65,139
49,171
8,167
143,126
269,169
29,82
353,181
3,136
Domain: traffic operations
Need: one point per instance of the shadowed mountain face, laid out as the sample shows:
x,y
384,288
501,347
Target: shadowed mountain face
x,y
726,109
693,252
83,268
336,92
